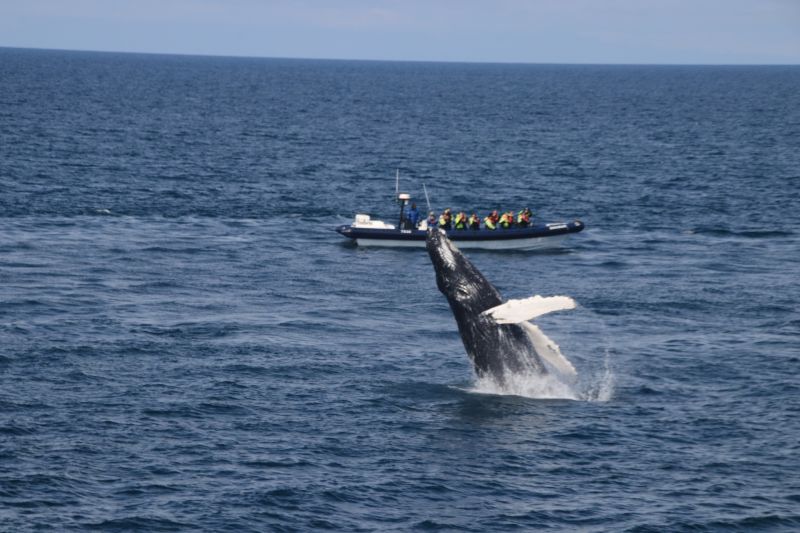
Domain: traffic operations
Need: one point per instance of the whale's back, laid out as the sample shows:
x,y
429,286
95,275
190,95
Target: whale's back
x,y
495,349
498,349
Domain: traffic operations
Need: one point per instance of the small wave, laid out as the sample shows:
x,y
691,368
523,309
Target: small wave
x,y
16,430
753,523
750,234
762,234
190,250
432,525
287,463
202,410
187,330
241,368
148,489
139,523
644,390
282,498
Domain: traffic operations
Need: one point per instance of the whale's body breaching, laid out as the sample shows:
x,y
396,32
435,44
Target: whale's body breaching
x,y
497,335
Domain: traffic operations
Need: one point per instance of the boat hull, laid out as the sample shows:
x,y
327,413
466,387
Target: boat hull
x,y
538,237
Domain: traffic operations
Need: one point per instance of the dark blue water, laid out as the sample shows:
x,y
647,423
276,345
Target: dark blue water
x,y
186,345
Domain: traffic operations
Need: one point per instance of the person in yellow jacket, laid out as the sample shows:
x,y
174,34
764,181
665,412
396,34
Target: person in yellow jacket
x,y
460,221
446,219
474,222
490,222
507,220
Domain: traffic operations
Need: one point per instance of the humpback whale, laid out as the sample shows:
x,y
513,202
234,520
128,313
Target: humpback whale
x,y
497,335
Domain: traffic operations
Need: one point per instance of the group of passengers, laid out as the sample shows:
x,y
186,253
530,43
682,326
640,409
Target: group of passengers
x,y
461,221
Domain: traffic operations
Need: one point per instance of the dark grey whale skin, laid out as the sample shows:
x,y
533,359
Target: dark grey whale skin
x,y
495,349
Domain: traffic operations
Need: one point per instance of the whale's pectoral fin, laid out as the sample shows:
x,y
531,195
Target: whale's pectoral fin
x,y
516,311
548,350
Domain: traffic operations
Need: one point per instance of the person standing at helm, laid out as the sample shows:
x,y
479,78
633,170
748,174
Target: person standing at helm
x,y
413,216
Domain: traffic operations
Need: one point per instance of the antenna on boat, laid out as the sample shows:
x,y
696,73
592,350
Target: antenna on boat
x,y
397,183
426,198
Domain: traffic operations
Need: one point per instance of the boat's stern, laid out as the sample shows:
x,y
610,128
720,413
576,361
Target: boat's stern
x,y
364,225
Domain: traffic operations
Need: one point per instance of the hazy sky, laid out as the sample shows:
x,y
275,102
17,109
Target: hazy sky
x,y
531,31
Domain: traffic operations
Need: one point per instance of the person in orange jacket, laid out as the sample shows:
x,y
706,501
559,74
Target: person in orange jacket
x,y
507,220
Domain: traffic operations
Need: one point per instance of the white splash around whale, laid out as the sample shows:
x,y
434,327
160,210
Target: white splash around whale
x,y
595,383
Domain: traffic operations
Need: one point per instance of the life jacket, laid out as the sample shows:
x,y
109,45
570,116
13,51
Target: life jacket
x,y
461,221
523,219
505,221
474,222
489,223
444,221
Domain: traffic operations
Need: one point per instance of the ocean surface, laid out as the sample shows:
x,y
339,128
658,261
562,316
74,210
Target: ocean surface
x,y
186,345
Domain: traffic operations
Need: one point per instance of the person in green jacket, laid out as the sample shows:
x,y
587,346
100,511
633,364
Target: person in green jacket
x,y
490,222
446,220
460,221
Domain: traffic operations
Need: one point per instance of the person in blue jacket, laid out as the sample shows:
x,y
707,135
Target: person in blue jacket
x,y
413,216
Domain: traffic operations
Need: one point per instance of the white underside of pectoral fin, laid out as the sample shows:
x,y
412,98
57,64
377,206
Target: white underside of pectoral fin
x,y
548,350
516,311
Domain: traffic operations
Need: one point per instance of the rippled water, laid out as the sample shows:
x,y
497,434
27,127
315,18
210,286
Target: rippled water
x,y
186,345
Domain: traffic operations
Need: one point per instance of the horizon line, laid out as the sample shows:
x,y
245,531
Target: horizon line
x,y
366,60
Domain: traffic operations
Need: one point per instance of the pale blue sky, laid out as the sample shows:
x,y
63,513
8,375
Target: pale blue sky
x,y
530,31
